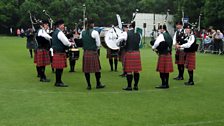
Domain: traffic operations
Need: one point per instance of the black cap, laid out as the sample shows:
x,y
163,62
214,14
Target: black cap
x,y
162,27
179,23
59,22
45,22
187,26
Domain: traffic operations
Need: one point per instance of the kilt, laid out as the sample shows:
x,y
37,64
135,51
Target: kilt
x,y
180,57
112,53
164,64
35,56
31,45
132,62
190,61
59,60
42,57
91,62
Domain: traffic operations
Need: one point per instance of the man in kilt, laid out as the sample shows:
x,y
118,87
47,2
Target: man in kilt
x,y
190,47
59,44
132,61
112,55
30,42
42,57
180,54
163,45
91,62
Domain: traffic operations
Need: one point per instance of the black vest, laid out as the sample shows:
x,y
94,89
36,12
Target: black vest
x,y
180,37
42,42
193,47
133,40
165,47
57,45
89,43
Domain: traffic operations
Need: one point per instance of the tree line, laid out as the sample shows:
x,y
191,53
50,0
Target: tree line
x,y
14,13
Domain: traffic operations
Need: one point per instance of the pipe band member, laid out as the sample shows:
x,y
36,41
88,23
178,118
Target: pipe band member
x,y
180,55
91,62
190,47
42,57
132,60
163,45
59,44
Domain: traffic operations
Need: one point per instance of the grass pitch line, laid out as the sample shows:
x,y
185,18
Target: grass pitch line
x,y
86,92
196,123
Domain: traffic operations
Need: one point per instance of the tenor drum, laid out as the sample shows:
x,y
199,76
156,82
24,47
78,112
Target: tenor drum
x,y
74,54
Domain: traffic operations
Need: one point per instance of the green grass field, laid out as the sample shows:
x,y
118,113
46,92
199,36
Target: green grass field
x,y
24,101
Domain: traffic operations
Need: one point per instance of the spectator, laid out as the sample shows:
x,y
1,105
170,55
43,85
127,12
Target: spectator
x,y
218,44
18,32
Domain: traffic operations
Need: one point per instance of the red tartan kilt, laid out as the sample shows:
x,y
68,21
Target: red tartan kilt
x,y
190,61
35,56
165,64
59,60
110,54
42,57
132,62
180,57
91,62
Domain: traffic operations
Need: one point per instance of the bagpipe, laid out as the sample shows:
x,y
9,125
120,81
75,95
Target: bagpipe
x,y
155,32
34,21
50,20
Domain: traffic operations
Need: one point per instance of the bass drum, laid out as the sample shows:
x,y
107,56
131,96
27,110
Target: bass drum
x,y
111,37
102,36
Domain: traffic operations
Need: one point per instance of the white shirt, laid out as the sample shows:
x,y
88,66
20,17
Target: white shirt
x,y
61,36
159,39
94,35
43,33
189,42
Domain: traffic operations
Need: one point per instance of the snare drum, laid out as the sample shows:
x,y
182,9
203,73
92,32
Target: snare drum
x,y
73,54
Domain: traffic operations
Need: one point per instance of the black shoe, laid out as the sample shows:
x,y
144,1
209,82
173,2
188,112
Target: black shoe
x,y
189,83
162,87
123,75
100,86
60,85
44,80
71,71
88,88
38,75
178,78
135,88
127,88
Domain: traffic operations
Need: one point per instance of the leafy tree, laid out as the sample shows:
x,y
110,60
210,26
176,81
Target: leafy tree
x,y
14,13
214,13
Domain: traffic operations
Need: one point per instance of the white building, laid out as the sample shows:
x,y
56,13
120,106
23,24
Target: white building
x,y
147,18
